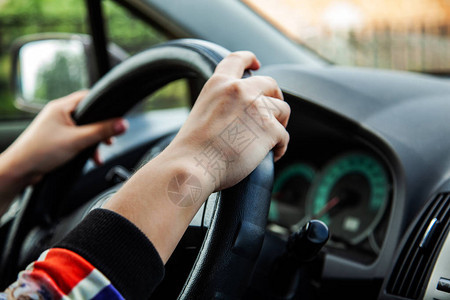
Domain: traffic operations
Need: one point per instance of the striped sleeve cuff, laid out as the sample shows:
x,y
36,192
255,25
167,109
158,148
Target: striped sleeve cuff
x,y
119,250
62,274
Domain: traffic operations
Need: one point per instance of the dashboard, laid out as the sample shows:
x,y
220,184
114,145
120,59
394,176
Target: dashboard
x,y
368,149
368,154
331,175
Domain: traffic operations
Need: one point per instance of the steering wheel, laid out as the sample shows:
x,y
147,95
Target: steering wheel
x,y
226,260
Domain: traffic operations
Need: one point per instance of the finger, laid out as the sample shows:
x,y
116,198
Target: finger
x,y
283,140
90,134
96,158
282,110
236,63
109,141
71,101
279,109
267,85
265,110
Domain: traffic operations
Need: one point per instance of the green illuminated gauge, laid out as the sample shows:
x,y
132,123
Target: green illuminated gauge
x,y
350,197
289,194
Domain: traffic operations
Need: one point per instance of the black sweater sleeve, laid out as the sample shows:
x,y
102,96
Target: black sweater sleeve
x,y
118,249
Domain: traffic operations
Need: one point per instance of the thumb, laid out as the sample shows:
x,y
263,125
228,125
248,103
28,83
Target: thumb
x,y
90,134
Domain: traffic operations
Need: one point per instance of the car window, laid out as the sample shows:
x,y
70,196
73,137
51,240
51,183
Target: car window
x,y
134,35
400,34
23,17
128,31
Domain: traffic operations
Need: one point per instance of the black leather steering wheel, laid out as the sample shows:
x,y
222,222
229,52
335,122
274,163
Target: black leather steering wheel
x,y
226,260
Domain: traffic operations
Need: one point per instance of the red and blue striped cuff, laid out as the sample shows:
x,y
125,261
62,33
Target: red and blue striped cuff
x,y
62,274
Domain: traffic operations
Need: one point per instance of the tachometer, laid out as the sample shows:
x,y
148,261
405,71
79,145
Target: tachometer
x,y
350,197
289,194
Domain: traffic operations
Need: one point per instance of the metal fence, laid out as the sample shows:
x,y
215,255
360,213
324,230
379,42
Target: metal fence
x,y
419,47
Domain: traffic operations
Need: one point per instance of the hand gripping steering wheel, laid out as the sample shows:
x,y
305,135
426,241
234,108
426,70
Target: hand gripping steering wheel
x,y
226,260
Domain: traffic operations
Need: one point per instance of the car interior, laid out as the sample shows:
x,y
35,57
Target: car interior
x,y
358,208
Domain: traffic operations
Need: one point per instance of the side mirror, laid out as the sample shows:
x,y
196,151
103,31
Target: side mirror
x,y
50,66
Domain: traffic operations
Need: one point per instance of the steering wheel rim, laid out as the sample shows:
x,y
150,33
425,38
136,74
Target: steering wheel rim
x,y
225,263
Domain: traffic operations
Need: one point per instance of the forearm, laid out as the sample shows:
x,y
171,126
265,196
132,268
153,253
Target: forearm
x,y
162,198
51,140
129,240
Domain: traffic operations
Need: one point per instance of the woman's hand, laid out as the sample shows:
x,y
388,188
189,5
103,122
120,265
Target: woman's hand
x,y
233,125
51,140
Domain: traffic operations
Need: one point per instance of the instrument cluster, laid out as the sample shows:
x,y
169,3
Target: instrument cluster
x,y
339,179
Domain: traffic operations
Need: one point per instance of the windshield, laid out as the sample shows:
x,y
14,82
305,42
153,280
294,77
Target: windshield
x,y
401,34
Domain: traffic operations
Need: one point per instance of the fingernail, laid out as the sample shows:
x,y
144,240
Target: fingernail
x,y
110,141
120,126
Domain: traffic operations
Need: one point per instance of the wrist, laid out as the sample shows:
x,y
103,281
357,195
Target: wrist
x,y
188,185
210,161
184,162
162,197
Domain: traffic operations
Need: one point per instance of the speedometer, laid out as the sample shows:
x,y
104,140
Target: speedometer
x,y
350,196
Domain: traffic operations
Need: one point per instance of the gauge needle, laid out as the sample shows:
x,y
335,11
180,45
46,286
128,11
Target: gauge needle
x,y
329,206
277,196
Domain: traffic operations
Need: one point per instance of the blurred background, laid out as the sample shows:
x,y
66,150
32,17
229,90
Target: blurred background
x,y
393,34
22,17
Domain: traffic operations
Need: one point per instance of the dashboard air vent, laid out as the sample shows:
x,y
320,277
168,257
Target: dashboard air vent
x,y
416,257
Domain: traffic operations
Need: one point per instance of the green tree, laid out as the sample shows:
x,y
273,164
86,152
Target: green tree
x,y
64,75
23,17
